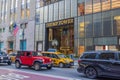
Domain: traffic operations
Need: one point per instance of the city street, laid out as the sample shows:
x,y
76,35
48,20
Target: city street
x,y
25,73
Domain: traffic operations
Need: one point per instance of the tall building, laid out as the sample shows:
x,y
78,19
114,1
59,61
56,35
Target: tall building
x,y
70,26
75,26
22,14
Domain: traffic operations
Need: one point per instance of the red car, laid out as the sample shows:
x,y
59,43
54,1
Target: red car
x,y
32,59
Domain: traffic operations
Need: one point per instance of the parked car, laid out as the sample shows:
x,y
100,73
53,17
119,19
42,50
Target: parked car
x,y
32,58
100,63
4,58
12,56
59,59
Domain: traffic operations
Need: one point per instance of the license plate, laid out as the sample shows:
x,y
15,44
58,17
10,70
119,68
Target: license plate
x,y
49,65
72,64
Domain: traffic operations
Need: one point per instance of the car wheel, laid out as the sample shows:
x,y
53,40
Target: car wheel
x,y
37,66
90,72
17,64
9,63
61,65
49,67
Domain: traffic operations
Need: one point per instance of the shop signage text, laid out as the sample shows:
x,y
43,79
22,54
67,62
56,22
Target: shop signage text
x,y
60,23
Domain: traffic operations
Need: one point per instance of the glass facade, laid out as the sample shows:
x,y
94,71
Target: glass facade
x,y
96,22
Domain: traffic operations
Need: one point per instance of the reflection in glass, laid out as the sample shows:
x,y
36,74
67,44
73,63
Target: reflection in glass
x,y
96,6
88,6
88,26
106,5
81,25
115,4
67,8
117,24
97,23
81,8
61,10
73,8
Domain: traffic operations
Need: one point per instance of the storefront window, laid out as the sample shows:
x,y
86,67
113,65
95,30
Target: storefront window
x,y
23,44
81,47
88,6
106,5
81,26
81,7
89,44
117,24
116,21
115,4
96,6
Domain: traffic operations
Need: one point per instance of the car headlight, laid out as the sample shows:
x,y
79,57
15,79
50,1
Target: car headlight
x,y
66,61
1,57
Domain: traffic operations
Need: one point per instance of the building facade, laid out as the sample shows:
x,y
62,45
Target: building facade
x,y
22,14
70,26
75,26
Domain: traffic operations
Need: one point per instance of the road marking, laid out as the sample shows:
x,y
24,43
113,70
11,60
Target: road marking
x,y
48,75
13,76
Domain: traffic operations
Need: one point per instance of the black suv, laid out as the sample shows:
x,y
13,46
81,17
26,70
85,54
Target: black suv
x,y
100,63
4,58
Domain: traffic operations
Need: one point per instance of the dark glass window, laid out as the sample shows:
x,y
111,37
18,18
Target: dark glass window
x,y
119,56
107,56
88,26
54,56
45,54
97,23
107,28
89,56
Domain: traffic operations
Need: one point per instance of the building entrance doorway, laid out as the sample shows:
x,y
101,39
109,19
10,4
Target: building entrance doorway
x,y
62,38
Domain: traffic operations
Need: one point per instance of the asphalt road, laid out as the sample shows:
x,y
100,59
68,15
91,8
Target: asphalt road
x,y
55,71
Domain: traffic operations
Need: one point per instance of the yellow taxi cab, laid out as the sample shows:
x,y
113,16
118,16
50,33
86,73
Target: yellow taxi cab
x,y
12,57
59,59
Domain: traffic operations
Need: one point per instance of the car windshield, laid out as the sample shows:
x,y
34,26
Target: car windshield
x,y
3,54
37,54
62,55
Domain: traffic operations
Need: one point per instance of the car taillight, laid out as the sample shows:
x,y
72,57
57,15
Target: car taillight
x,y
43,60
50,60
79,61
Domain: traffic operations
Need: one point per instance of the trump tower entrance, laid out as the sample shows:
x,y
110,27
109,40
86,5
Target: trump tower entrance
x,y
60,35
